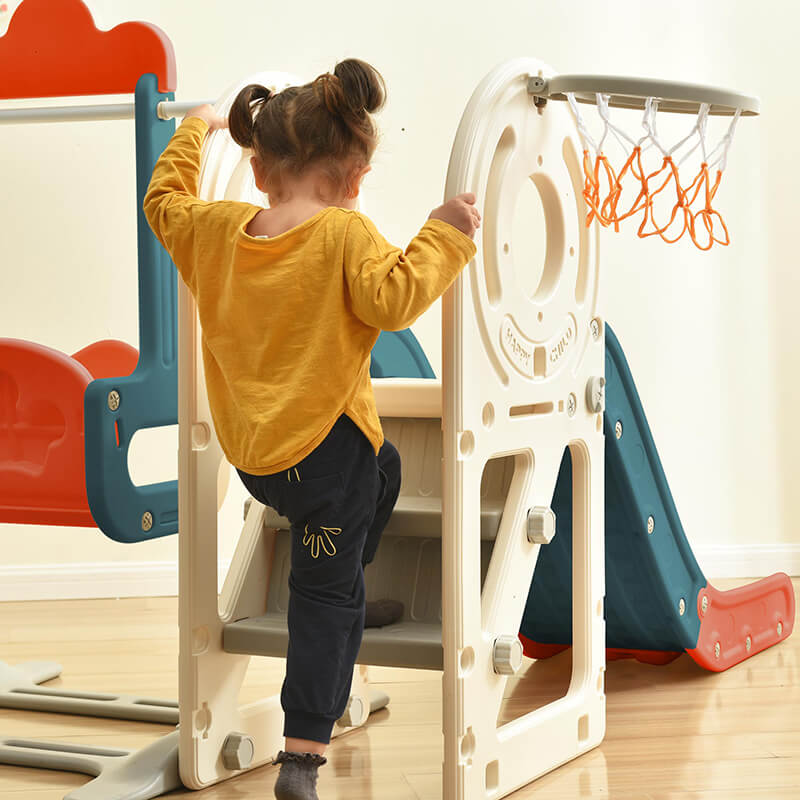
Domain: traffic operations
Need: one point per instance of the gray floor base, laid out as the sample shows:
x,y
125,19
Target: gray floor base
x,y
378,699
19,689
119,774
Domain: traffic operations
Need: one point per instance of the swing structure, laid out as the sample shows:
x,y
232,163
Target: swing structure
x,y
66,422
516,464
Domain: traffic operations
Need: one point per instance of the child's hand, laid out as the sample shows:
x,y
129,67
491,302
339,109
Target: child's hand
x,y
206,112
460,212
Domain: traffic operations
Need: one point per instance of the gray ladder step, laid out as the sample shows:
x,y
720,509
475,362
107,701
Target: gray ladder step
x,y
417,516
406,644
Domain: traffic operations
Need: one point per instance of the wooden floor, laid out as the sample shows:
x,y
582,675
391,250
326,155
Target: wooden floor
x,y
673,732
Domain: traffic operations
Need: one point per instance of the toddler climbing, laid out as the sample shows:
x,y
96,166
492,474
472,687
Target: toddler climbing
x,y
291,299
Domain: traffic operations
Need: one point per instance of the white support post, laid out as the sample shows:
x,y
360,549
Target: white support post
x,y
515,372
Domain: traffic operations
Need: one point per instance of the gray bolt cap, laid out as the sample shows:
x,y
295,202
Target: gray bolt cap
x,y
596,394
238,751
507,655
541,525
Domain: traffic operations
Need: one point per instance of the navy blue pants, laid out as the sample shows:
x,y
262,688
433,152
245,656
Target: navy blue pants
x,y
338,500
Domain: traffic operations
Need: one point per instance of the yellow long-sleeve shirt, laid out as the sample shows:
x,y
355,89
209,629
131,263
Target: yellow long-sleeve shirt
x,y
288,322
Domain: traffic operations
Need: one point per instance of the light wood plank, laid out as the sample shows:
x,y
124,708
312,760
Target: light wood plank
x,y
673,732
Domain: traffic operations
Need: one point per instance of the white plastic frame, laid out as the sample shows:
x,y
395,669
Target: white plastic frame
x,y
501,351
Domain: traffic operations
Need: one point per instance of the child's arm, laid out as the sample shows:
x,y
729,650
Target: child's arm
x,y
389,288
171,199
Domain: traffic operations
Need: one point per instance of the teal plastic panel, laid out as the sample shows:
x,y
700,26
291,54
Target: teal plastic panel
x,y
148,397
398,354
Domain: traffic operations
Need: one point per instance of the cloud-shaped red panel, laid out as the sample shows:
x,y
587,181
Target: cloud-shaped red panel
x,y
53,49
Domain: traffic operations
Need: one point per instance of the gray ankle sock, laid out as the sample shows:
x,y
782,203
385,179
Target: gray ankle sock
x,y
298,776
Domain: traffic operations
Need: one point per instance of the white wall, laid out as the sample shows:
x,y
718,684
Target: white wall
x,y
710,337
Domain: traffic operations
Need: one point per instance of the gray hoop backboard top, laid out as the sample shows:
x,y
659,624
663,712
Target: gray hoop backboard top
x,y
632,92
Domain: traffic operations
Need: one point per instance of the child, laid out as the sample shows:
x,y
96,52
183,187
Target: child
x,y
291,299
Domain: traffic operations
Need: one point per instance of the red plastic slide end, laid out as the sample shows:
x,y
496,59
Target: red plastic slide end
x,y
739,623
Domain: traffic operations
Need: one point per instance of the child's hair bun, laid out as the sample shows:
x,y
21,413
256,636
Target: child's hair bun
x,y
325,124
353,88
245,108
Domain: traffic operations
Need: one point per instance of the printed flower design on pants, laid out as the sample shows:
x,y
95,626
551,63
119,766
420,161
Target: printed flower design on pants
x,y
322,539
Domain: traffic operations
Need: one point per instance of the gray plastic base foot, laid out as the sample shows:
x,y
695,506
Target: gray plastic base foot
x,y
377,700
19,689
120,774
28,672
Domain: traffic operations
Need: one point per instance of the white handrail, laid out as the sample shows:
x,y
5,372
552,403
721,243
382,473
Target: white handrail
x,y
167,109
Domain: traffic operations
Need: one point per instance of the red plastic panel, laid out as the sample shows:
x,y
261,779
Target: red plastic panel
x,y
108,358
656,657
538,650
53,49
42,467
41,436
756,611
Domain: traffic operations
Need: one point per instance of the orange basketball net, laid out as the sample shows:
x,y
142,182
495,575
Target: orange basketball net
x,y
667,206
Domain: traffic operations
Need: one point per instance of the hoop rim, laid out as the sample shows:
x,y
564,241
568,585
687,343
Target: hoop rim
x,y
627,91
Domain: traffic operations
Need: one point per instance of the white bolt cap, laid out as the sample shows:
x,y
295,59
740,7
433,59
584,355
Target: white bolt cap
x,y
355,714
596,394
238,751
507,655
541,525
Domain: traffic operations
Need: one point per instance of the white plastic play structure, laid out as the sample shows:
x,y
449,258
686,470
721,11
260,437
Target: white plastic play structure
x,y
522,381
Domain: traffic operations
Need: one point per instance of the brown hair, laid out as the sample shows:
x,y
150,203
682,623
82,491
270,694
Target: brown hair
x,y
325,123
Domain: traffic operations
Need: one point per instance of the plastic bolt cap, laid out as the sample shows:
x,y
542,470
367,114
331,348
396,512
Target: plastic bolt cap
x,y
541,525
355,713
238,751
596,394
507,656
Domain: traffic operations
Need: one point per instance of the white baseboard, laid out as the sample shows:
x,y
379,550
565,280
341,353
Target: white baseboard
x,y
749,561
91,580
160,578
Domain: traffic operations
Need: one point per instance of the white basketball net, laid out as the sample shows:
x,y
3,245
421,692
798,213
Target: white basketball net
x,y
668,208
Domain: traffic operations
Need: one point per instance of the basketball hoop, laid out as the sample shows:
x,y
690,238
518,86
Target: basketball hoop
x,y
648,185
